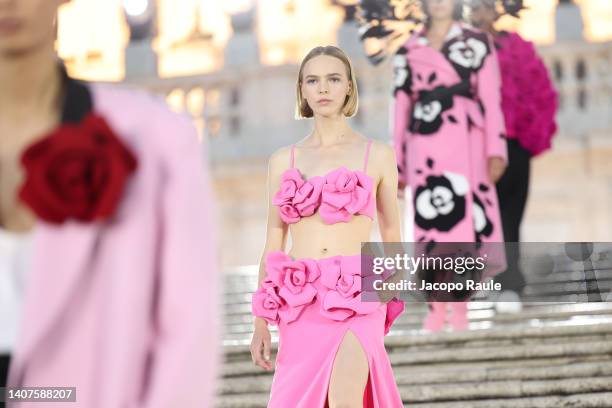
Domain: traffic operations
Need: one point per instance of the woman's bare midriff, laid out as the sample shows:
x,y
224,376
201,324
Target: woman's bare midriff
x,y
314,239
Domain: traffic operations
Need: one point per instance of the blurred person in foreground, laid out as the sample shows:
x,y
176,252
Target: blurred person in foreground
x,y
529,104
109,190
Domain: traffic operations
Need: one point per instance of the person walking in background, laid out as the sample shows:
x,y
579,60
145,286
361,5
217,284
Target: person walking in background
x,y
529,103
110,189
449,136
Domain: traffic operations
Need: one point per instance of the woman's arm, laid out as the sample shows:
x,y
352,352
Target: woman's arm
x,y
400,114
276,238
386,194
387,207
276,230
489,93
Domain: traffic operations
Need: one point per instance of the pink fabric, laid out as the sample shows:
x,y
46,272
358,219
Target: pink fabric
x,y
345,194
529,99
297,197
128,312
339,195
445,160
313,324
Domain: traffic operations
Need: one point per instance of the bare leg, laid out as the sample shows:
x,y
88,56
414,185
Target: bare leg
x,y
349,374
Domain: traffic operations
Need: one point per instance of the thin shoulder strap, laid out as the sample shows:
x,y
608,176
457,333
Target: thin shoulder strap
x,y
292,160
367,155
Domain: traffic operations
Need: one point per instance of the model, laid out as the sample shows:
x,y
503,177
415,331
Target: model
x,y
529,103
326,190
449,136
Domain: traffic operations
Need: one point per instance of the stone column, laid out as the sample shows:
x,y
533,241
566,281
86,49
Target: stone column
x,y
243,47
140,58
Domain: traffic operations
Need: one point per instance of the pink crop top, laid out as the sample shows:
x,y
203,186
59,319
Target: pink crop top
x,y
337,196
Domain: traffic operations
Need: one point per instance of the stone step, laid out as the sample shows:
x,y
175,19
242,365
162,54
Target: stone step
x,y
465,375
241,353
477,310
500,333
587,400
517,363
506,353
486,355
245,369
504,389
480,337
481,319
259,400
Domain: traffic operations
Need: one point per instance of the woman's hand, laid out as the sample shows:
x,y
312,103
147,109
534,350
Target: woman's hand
x,y
261,345
401,187
497,167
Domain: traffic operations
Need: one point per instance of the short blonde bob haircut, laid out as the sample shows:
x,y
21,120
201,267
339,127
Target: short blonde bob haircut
x,y
351,103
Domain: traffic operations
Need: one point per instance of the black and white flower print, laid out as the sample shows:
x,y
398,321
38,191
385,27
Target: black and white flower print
x,y
427,113
440,204
469,53
483,227
402,75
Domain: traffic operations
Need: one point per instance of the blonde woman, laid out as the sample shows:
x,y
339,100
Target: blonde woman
x,y
325,190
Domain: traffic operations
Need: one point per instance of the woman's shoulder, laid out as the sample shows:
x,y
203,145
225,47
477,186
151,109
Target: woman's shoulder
x,y
280,158
380,151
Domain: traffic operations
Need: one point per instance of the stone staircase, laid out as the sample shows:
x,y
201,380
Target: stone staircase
x,y
552,354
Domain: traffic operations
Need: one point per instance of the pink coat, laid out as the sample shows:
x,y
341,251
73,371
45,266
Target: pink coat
x,y
447,123
529,98
127,312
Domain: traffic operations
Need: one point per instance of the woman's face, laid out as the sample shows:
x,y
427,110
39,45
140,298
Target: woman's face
x,y
325,85
483,14
440,9
27,24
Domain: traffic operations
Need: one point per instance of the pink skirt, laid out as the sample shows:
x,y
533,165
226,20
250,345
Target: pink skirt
x,y
315,303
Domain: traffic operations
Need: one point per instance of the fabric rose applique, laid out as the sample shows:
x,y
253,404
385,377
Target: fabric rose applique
x,y
341,288
266,303
79,172
297,197
287,288
345,193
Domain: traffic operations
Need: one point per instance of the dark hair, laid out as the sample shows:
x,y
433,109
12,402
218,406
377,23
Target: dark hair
x,y
457,11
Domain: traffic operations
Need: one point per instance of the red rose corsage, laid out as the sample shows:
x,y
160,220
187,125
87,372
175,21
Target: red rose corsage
x,y
78,172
